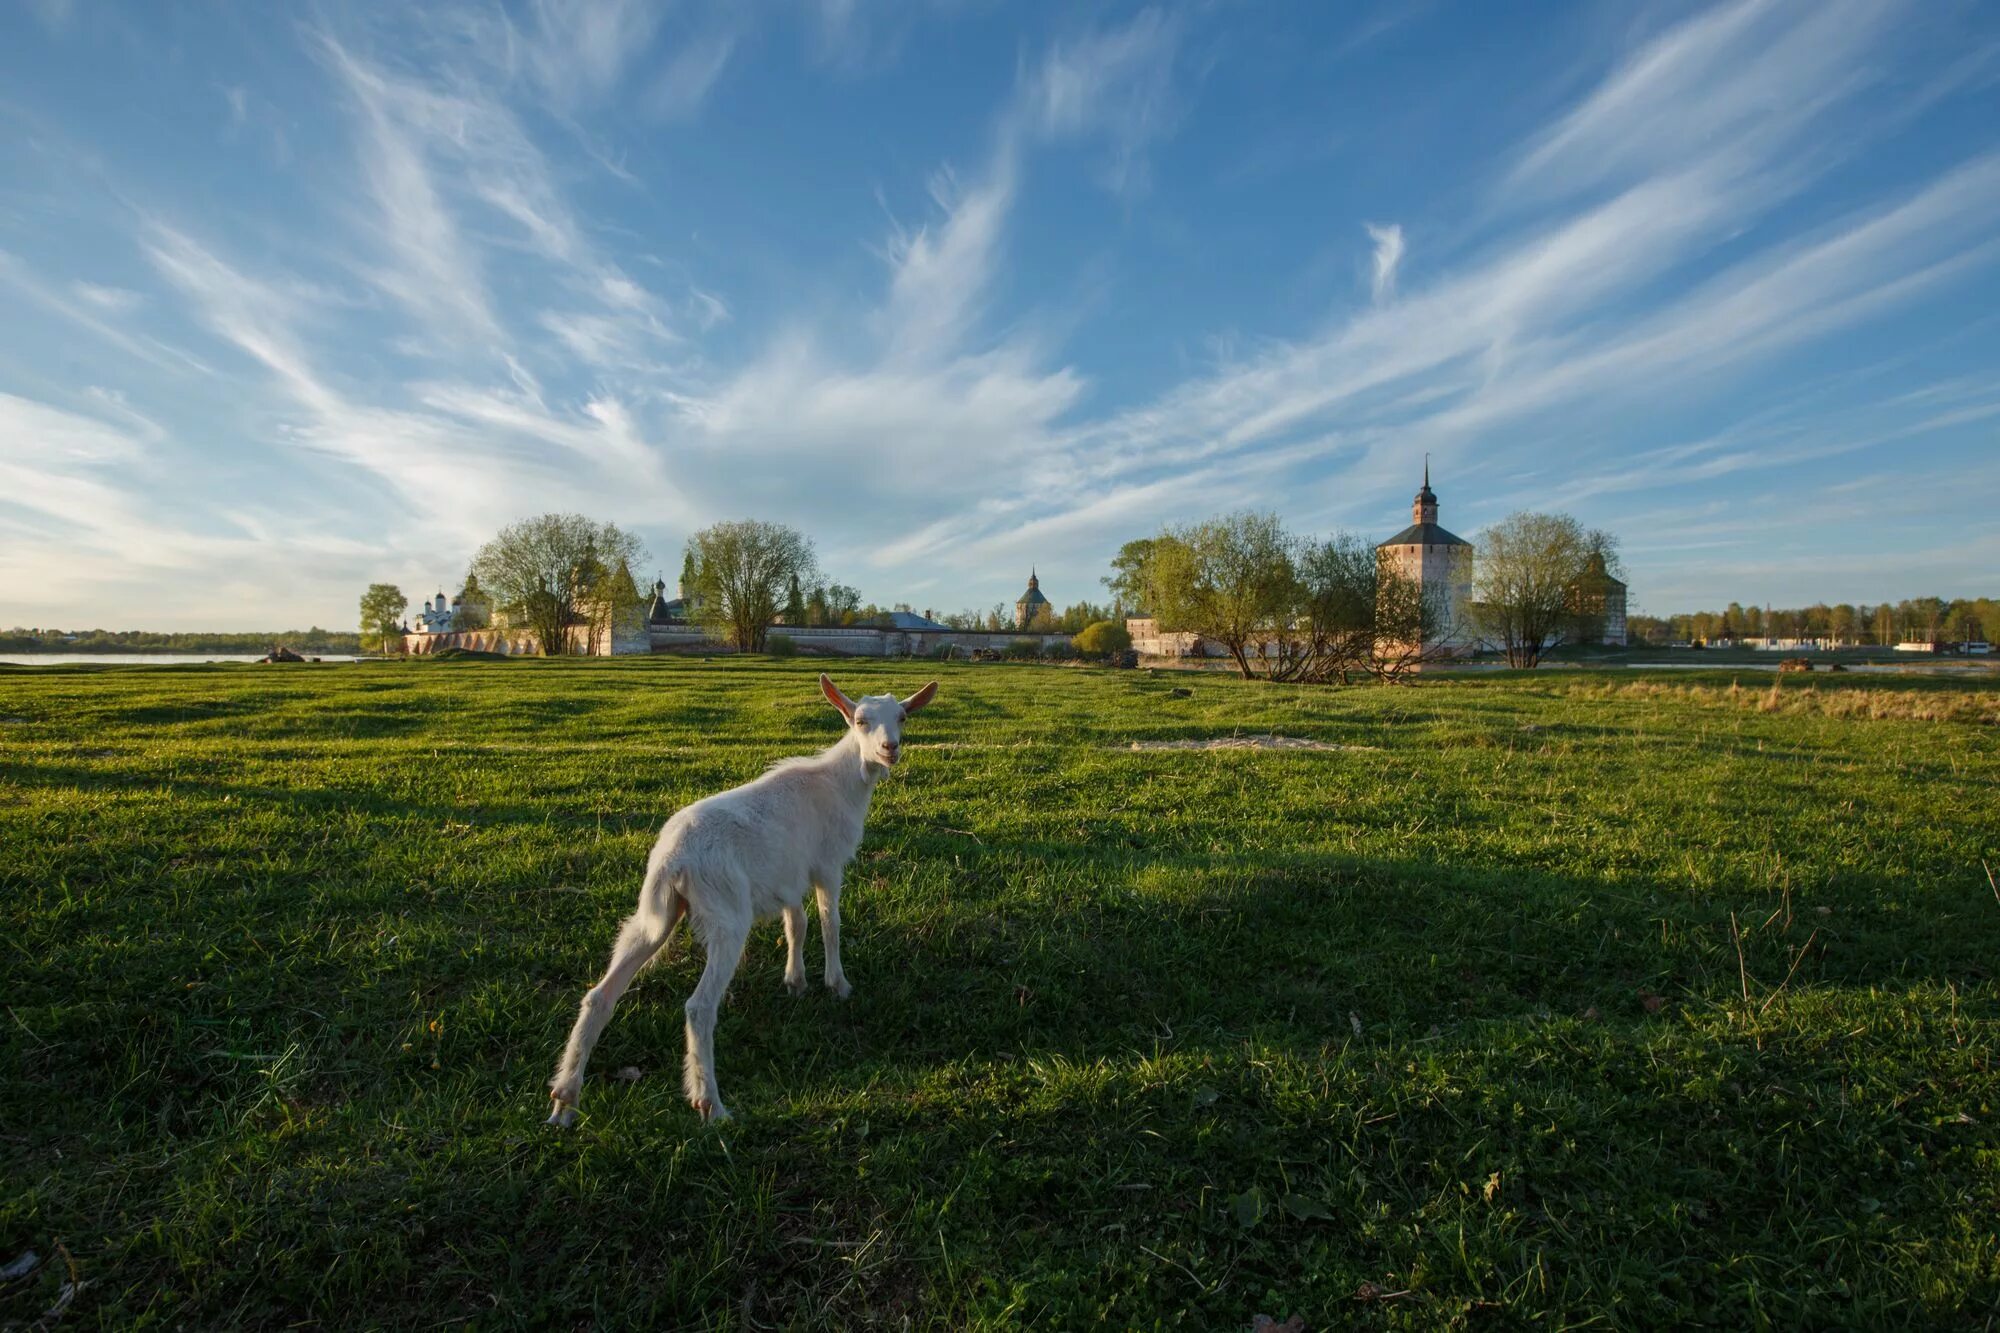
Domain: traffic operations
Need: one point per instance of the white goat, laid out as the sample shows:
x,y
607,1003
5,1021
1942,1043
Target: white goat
x,y
736,858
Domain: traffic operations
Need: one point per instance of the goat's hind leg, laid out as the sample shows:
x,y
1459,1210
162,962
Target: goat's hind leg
x,y
638,940
725,950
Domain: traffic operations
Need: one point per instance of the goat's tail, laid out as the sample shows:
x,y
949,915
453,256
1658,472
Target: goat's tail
x,y
663,897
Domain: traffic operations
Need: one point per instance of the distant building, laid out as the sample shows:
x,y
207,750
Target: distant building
x,y
659,623
1149,640
1602,598
663,612
436,617
1439,562
1031,603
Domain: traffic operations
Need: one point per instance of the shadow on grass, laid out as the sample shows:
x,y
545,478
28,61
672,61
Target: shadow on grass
x,y
1055,1053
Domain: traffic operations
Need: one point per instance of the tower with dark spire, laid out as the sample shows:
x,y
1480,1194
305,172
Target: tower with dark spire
x,y
1031,603
1440,562
1425,507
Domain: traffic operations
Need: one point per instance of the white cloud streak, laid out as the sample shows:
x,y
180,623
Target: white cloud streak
x,y
928,430
1117,83
1388,258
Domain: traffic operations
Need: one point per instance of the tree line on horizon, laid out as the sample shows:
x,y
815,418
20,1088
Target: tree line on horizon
x,y
1283,606
1883,624
49,640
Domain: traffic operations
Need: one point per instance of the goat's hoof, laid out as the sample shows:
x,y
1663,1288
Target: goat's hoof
x,y
710,1111
840,989
562,1117
796,986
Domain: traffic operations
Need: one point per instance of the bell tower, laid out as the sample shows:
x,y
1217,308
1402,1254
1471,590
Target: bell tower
x,y
1425,508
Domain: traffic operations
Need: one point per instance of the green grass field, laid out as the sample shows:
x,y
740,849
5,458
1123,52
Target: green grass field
x,y
1572,998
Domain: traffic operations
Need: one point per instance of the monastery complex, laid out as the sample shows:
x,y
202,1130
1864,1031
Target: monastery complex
x,y
1439,561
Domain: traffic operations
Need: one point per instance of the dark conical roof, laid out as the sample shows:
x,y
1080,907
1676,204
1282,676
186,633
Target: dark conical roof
x,y
1033,596
1424,534
662,611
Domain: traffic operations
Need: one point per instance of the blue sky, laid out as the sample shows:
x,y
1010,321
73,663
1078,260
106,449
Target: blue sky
x,y
301,298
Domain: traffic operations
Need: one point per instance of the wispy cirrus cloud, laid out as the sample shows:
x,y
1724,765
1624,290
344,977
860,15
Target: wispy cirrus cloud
x,y
1116,83
83,483
579,51
445,161
691,73
543,286
432,268
1728,90
1387,259
1548,315
97,308
456,453
935,370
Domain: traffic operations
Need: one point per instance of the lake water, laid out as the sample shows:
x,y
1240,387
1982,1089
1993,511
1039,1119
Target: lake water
x,y
143,659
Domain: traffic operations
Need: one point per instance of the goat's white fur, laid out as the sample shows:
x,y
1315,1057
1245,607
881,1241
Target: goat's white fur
x,y
739,857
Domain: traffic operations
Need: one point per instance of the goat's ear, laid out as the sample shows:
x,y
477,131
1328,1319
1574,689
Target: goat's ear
x,y
920,698
836,698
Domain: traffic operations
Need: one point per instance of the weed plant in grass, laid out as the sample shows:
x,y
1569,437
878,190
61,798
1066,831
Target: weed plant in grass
x,y
1537,999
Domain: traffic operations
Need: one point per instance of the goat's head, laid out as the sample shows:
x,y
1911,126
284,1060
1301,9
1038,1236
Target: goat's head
x,y
877,719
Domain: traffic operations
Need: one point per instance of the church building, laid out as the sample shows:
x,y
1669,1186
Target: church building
x,y
1440,562
1031,604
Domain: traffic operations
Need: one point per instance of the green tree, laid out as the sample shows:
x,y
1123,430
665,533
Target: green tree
x,y
474,610
1226,579
795,604
1102,638
742,571
1649,629
843,604
1076,618
1961,622
558,572
1127,580
1345,595
1526,567
382,608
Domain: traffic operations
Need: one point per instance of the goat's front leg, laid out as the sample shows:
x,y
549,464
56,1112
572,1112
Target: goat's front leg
x,y
795,949
827,892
